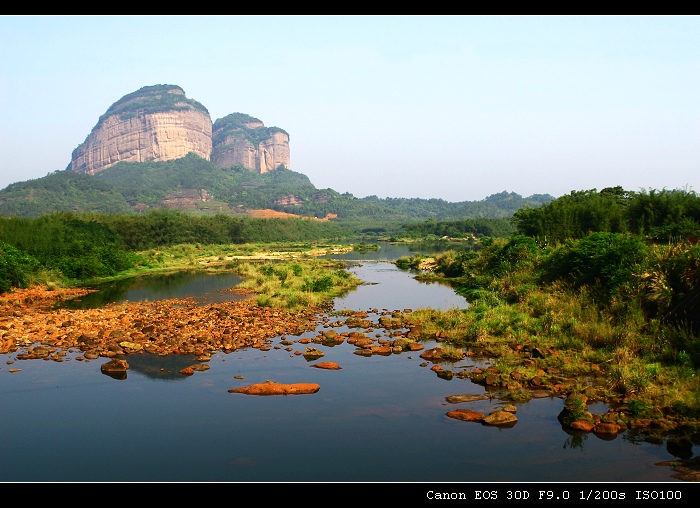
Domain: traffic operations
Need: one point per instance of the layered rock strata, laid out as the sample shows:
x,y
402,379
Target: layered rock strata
x,y
159,123
240,139
156,123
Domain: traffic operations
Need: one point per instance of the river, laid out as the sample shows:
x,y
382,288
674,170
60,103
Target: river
x,y
377,419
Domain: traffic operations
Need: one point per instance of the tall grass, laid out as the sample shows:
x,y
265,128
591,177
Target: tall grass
x,y
293,285
550,298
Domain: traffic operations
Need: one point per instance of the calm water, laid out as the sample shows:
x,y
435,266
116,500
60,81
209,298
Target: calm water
x,y
205,288
379,418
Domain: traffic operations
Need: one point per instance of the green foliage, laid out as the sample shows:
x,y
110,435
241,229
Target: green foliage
x,y
79,247
408,262
577,408
639,408
452,263
134,187
517,250
319,285
293,285
151,99
671,278
685,342
660,216
16,267
605,262
365,247
61,191
499,227
665,215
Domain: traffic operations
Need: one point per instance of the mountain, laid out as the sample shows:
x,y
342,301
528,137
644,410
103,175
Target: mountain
x,y
156,148
159,123
241,140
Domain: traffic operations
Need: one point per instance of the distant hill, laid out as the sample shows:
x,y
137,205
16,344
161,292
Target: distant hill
x,y
196,185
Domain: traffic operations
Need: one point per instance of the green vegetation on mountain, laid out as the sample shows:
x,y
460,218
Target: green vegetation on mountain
x,y
61,191
134,187
149,100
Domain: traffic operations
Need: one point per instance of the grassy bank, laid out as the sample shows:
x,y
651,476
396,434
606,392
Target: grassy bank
x,y
595,310
284,275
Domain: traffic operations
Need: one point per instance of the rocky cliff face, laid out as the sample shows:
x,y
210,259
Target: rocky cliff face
x,y
156,123
159,123
239,139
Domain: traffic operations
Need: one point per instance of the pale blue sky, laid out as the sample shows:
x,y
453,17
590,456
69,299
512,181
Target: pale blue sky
x,y
451,107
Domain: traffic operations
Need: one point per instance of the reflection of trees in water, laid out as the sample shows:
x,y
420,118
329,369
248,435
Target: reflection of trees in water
x,y
635,437
106,293
680,446
161,368
181,284
575,440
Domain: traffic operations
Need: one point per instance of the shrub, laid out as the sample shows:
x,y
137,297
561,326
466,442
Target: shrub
x,y
16,267
604,262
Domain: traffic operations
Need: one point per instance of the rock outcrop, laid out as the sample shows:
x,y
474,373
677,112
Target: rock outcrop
x,y
240,139
159,123
155,123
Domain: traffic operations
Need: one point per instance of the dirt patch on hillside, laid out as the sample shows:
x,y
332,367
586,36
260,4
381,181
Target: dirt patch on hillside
x,y
271,214
267,213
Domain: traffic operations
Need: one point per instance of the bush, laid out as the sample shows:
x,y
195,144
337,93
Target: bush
x,y
604,262
320,285
16,268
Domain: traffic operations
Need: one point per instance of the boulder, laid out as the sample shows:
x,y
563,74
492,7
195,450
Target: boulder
x,y
501,418
466,415
115,368
272,388
327,366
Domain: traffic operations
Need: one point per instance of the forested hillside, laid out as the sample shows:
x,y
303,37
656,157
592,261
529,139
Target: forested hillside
x,y
136,187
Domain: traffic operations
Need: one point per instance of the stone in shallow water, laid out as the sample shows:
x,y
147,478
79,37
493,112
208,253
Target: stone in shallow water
x,y
467,397
115,368
312,352
501,418
466,415
327,365
272,388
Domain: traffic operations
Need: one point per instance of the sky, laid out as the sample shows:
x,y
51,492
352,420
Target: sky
x,y
412,106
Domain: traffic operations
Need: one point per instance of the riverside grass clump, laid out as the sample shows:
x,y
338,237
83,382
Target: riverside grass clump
x,y
292,285
524,295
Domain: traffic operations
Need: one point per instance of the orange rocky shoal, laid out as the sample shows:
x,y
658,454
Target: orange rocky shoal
x,y
32,328
176,326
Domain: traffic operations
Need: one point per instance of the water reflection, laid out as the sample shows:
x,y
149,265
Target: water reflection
x,y
391,251
160,367
203,287
387,287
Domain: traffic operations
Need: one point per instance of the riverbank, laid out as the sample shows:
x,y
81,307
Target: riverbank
x,y
186,329
32,329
